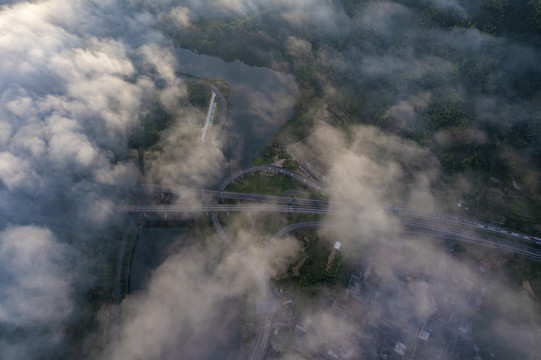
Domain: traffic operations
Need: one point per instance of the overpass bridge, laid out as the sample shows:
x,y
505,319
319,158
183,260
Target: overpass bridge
x,y
439,225
468,232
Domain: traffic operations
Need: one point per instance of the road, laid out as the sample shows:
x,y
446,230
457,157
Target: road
x,y
277,170
222,115
435,224
262,339
438,225
272,203
208,120
221,195
135,220
264,332
198,208
403,212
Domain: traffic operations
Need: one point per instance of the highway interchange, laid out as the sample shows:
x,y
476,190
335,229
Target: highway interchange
x,y
438,225
274,203
443,226
137,218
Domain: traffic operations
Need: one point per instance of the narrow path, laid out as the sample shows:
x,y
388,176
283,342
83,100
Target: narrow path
x,y
210,115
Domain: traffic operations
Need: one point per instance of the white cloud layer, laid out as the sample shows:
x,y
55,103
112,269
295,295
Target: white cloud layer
x,y
73,77
70,93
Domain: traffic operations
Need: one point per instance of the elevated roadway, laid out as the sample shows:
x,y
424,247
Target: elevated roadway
x,y
427,223
264,332
398,211
275,203
438,225
274,169
222,115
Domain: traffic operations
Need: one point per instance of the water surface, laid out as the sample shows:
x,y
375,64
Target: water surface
x,y
262,101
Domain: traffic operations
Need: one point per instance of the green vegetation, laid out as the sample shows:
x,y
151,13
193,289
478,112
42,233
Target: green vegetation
x,y
271,153
269,183
277,184
228,38
335,275
155,117
445,78
154,120
520,268
223,87
198,94
446,97
315,272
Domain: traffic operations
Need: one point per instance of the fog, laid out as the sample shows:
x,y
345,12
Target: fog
x,y
75,77
70,96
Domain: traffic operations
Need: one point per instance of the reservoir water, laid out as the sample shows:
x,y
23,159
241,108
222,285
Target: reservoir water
x,y
261,101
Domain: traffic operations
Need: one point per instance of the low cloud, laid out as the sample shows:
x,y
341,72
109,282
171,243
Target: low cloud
x,y
182,158
74,77
36,286
191,307
71,90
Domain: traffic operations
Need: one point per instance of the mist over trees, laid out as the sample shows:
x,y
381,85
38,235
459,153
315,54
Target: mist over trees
x,y
442,96
438,64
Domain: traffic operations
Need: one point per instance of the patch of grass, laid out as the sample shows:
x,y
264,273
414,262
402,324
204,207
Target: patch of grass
x,y
198,94
259,183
